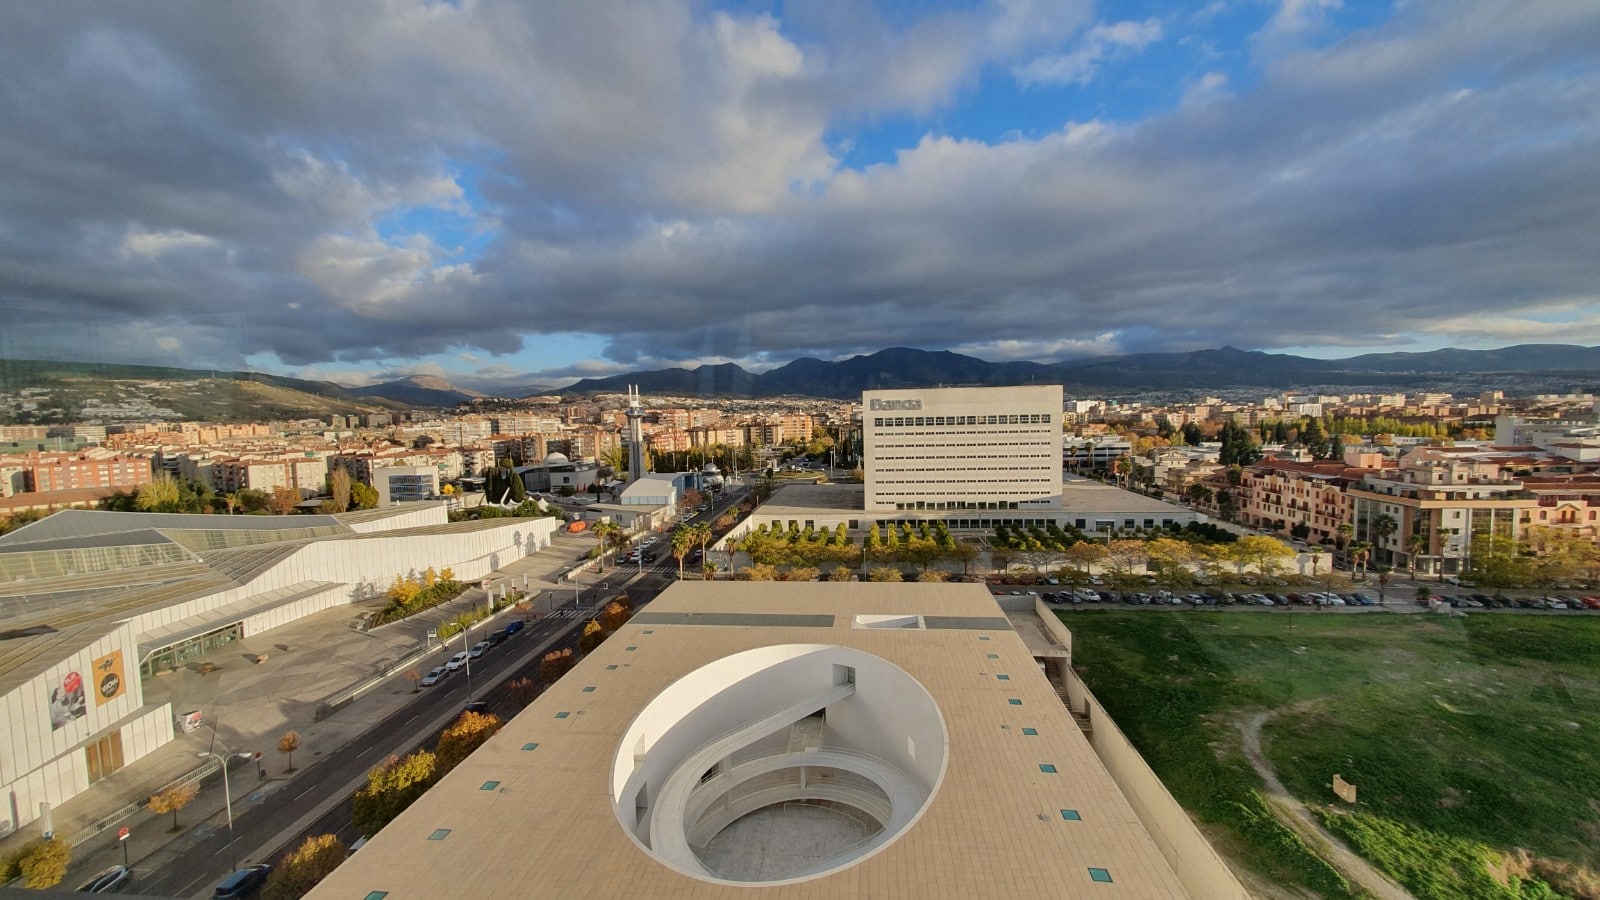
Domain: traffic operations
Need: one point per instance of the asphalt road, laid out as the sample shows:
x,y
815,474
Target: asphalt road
x,y
260,819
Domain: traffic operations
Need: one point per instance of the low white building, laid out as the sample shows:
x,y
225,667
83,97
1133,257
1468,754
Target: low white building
x,y
92,603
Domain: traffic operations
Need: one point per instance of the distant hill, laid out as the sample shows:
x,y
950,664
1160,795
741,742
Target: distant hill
x,y
1226,367
419,390
74,391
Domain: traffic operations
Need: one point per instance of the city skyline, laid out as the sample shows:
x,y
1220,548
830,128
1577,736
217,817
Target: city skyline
x,y
485,191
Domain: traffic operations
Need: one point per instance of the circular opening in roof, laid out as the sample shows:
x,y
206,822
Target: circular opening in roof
x,y
779,764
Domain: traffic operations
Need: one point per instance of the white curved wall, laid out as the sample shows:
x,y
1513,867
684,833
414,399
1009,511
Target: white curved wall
x,y
719,698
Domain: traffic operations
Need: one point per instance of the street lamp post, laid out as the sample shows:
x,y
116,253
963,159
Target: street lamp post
x,y
227,794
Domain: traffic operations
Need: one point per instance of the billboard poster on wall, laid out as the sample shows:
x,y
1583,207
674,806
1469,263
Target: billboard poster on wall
x,y
109,683
66,701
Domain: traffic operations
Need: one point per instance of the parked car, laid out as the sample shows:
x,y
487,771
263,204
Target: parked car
x,y
456,662
514,626
243,883
479,649
498,638
110,880
1592,602
476,706
1555,604
434,676
1363,599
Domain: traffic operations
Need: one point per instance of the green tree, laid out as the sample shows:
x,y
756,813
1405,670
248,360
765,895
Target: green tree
x,y
611,536
1342,534
158,495
682,542
884,574
467,733
302,868
391,787
1416,546
841,573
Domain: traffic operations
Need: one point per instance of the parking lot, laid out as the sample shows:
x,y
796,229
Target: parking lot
x,y
1288,598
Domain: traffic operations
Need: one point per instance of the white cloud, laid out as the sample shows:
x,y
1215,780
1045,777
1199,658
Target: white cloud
x,y
1102,43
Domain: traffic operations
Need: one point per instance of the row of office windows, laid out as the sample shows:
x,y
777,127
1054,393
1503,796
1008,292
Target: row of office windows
x,y
880,482
927,421
964,469
965,444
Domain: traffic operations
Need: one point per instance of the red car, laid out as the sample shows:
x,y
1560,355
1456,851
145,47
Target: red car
x,y
1592,602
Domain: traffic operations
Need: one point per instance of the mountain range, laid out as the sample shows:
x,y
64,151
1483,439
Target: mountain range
x,y
1196,370
68,391
419,390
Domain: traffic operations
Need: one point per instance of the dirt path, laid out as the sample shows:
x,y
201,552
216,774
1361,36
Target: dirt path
x,y
1294,814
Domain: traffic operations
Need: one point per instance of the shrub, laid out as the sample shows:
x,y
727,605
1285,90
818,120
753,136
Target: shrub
x,y
43,864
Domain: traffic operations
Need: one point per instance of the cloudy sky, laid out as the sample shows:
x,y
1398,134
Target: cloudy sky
x,y
519,191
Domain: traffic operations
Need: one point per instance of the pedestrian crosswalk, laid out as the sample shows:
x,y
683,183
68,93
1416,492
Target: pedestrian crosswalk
x,y
571,614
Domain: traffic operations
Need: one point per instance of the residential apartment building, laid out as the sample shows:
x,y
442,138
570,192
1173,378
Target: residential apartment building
x,y
304,473
1279,495
1444,498
962,448
82,471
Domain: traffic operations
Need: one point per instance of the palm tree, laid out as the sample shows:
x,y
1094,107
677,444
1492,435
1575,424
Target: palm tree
x,y
1380,530
1316,554
1358,552
1343,534
682,543
1416,545
701,534
608,533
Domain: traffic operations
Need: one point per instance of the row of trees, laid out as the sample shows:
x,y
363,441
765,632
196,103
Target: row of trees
x,y
166,494
1548,557
399,781
1173,560
922,546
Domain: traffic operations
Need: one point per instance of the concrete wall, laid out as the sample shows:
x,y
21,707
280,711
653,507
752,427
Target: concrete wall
x,y
305,606
1197,864
367,565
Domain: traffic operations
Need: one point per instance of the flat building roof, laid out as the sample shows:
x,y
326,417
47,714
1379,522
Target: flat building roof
x,y
1011,802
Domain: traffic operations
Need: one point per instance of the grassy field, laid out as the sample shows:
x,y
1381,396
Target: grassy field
x,y
1474,742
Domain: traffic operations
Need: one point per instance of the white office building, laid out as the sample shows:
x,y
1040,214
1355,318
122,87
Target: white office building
x,y
962,448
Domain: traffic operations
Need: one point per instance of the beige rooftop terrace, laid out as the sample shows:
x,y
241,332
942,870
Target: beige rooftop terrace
x,y
1018,805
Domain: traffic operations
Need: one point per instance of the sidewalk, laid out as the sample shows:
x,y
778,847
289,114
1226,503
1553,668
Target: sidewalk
x,y
247,707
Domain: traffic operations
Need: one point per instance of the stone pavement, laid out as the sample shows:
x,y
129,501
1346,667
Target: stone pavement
x,y
246,706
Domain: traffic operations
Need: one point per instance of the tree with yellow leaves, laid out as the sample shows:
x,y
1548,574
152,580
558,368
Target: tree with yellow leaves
x,y
465,734
173,799
298,872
